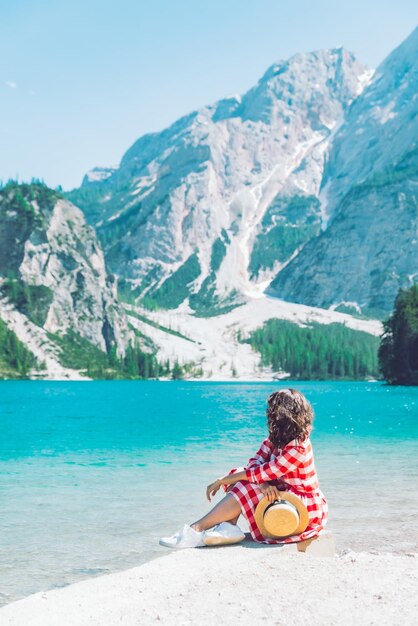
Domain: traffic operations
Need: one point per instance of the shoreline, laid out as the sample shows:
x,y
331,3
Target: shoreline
x,y
267,379
248,582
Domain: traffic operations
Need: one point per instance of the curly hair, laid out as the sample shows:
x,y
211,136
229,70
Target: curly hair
x,y
289,416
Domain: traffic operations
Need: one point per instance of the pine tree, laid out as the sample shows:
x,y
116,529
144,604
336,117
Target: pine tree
x,y
177,371
317,351
398,351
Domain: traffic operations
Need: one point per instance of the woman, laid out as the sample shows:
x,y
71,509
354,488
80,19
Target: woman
x,y
284,462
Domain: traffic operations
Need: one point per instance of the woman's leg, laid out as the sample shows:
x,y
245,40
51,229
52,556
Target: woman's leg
x,y
227,510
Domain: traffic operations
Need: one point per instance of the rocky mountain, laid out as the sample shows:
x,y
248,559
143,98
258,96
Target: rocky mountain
x,y
55,292
208,211
296,202
369,193
60,317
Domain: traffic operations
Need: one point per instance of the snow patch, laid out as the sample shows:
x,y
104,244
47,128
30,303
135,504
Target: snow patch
x,y
99,174
364,79
217,349
384,114
353,305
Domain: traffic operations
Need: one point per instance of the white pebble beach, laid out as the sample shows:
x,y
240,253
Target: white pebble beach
x,y
243,584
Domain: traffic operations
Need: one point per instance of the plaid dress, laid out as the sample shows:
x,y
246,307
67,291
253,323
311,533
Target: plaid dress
x,y
290,469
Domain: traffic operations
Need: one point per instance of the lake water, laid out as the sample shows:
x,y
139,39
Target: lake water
x,y
92,473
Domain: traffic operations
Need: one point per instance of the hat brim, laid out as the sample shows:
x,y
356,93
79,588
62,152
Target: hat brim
x,y
289,497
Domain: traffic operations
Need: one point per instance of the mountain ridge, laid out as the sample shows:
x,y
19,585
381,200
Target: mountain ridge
x,y
53,277
184,211
275,205
370,183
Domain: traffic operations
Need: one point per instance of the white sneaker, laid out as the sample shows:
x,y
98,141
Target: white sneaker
x,y
187,537
223,534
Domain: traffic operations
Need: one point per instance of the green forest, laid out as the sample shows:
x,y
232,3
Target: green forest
x,y
398,352
79,354
15,359
317,351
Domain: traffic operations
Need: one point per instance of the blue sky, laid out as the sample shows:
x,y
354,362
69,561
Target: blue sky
x,y
80,81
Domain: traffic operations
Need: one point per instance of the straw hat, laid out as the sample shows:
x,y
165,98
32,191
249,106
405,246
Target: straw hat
x,y
282,518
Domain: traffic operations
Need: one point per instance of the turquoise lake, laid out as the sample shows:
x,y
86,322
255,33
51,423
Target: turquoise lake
x,y
92,473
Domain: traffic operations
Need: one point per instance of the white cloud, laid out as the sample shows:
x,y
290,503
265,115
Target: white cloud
x,y
11,84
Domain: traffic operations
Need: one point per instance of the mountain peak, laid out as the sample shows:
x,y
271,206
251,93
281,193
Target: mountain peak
x,y
369,184
303,80
188,212
305,59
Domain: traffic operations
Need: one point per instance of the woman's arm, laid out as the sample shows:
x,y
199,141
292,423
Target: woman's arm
x,y
289,461
269,490
228,479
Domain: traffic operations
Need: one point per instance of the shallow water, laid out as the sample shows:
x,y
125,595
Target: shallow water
x,y
91,474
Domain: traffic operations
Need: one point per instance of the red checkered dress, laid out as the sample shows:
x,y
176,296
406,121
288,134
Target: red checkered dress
x,y
290,469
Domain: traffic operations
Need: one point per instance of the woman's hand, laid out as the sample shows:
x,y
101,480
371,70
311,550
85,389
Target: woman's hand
x,y
212,489
270,491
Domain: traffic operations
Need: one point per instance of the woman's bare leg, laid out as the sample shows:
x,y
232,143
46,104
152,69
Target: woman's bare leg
x,y
227,510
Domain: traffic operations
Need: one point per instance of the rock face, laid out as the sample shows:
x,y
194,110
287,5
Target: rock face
x,y
210,209
306,188
370,199
53,269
